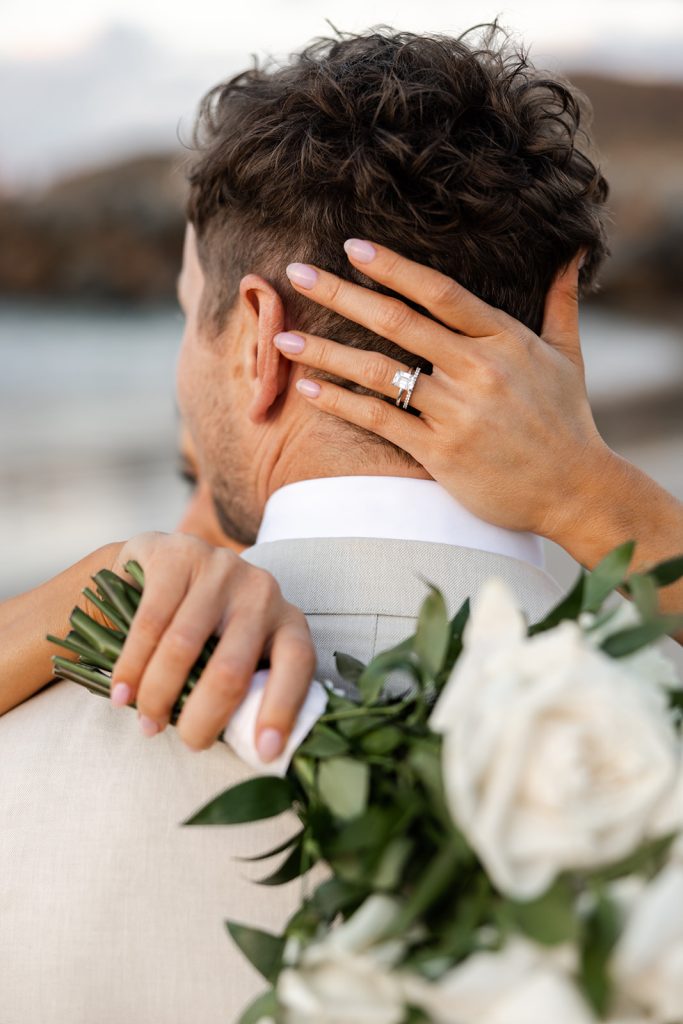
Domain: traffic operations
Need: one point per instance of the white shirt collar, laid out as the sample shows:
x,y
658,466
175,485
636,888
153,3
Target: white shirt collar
x,y
387,507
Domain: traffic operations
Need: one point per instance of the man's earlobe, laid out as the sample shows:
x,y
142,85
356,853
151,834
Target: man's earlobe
x,y
269,370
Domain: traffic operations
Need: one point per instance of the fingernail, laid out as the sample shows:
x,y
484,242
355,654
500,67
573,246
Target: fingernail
x,y
148,726
308,387
287,342
359,250
269,744
302,274
120,694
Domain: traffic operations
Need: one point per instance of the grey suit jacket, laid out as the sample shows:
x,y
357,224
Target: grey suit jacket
x,y
362,596
109,910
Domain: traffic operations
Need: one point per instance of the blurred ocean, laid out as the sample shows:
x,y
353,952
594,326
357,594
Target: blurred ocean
x,y
88,426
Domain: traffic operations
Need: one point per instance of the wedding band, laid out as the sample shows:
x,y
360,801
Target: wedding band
x,y
405,380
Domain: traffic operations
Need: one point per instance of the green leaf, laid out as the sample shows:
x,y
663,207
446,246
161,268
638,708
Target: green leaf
x,y
551,919
643,590
433,632
601,931
392,862
627,641
433,884
324,742
261,949
382,740
457,627
335,895
608,574
280,848
293,866
348,667
568,608
264,1007
667,572
375,675
253,800
343,784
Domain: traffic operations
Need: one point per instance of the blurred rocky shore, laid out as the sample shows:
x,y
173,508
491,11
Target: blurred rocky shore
x,y
115,234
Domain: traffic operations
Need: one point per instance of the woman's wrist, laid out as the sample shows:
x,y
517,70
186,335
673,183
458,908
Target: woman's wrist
x,y
612,501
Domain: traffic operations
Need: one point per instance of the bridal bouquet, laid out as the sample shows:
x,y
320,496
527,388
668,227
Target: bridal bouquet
x,y
503,842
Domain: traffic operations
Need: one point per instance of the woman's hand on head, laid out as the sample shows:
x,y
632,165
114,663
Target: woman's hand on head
x,y
505,424
192,591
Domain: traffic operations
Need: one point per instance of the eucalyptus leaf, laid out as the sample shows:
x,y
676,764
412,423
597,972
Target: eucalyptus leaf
x,y
348,667
324,742
551,919
390,868
433,632
383,740
432,886
667,572
343,784
293,866
280,848
261,949
568,607
335,895
373,679
601,931
262,797
644,593
608,574
628,641
264,1008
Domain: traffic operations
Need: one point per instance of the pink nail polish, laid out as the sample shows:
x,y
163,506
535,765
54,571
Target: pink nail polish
x,y
287,342
301,274
309,388
364,252
269,744
120,694
148,726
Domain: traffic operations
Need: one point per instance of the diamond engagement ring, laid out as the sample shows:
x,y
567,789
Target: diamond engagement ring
x,y
405,380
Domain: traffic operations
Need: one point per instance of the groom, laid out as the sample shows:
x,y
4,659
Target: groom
x,y
453,154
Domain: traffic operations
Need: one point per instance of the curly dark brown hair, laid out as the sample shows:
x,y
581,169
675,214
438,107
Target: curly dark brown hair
x,y
455,152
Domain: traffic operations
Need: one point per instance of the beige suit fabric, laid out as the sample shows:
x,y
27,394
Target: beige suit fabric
x,y
111,912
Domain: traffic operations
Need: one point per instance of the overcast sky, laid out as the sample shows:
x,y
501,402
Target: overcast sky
x,y
84,81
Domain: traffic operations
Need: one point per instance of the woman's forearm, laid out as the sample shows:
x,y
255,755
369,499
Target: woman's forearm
x,y
25,654
615,502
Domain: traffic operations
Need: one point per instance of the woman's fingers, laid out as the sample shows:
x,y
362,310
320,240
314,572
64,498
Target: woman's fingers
x,y
373,414
372,370
292,666
163,592
388,317
181,644
224,682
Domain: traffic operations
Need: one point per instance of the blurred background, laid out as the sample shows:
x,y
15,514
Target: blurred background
x,y
97,97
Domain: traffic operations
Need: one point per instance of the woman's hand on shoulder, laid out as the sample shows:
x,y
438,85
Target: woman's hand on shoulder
x,y
192,591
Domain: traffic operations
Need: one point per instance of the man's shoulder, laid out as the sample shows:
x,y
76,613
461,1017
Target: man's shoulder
x,y
377,576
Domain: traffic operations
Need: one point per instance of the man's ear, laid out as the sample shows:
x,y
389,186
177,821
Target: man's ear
x,y
268,371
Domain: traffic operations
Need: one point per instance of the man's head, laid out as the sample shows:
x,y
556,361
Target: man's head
x,y
455,153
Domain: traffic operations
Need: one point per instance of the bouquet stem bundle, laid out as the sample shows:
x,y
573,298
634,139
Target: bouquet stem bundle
x,y
98,646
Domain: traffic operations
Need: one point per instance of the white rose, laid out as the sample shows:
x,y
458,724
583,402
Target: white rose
x,y
554,755
346,977
647,962
521,984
